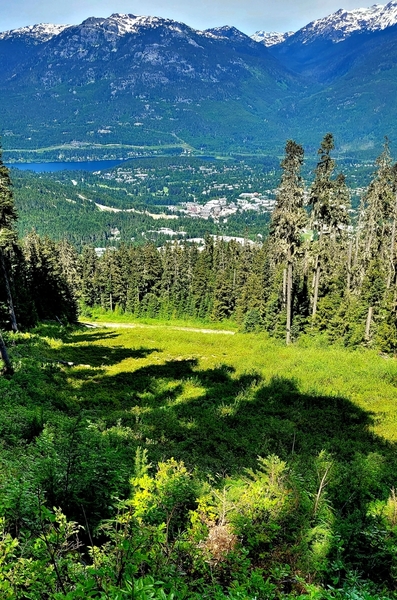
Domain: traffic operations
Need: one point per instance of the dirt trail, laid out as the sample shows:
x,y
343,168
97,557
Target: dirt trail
x,y
142,326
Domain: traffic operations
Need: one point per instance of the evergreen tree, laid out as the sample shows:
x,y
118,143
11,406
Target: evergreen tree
x,y
70,266
89,273
8,236
8,217
288,220
329,217
110,279
391,277
375,241
203,279
223,298
123,280
49,288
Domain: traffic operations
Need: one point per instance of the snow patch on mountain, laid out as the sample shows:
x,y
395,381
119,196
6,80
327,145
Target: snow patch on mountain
x,y
122,24
225,32
343,23
270,38
118,25
42,32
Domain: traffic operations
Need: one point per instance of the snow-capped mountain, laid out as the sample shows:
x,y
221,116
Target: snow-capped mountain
x,y
328,48
143,80
270,38
337,26
343,23
42,32
127,52
122,24
226,32
124,69
119,25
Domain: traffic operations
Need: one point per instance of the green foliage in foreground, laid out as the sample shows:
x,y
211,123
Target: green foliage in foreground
x,y
146,442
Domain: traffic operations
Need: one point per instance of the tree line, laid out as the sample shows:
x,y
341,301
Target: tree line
x,y
323,268
35,280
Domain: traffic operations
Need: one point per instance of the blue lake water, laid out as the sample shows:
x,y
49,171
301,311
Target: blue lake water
x,y
51,167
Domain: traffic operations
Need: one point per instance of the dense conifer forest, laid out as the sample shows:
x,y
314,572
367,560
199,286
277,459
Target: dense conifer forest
x,y
154,462
319,270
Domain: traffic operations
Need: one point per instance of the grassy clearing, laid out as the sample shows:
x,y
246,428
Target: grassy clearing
x,y
98,315
217,401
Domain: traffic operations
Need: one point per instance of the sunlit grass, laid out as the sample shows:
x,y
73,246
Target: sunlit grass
x,y
105,366
99,315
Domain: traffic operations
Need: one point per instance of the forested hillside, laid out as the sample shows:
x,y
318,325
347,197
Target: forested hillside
x,y
123,86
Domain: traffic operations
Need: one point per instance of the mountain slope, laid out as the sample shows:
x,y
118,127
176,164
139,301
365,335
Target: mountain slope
x,y
327,48
126,85
130,79
358,102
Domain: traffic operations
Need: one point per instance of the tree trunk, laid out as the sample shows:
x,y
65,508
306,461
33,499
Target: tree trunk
x,y
289,302
316,281
349,266
368,323
358,254
11,310
284,288
8,370
392,269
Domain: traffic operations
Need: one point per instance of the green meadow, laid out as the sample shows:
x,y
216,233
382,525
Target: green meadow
x,y
183,372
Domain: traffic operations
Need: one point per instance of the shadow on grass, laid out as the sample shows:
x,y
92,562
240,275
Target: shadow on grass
x,y
74,352
98,356
210,418
218,423
73,334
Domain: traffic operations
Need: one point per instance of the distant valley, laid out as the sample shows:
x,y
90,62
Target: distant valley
x,y
149,200
160,199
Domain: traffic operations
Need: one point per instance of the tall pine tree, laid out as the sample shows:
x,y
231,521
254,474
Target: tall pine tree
x,y
288,220
8,236
329,217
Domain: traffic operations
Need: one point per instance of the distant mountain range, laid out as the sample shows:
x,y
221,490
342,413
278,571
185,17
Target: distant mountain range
x,y
338,26
122,85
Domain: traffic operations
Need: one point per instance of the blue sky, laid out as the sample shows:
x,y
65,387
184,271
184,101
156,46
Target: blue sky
x,y
247,15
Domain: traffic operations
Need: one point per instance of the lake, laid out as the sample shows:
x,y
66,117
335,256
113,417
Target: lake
x,y
87,165
51,167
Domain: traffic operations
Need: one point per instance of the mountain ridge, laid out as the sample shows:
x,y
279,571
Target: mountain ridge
x,y
41,32
337,26
146,82
139,80
343,23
